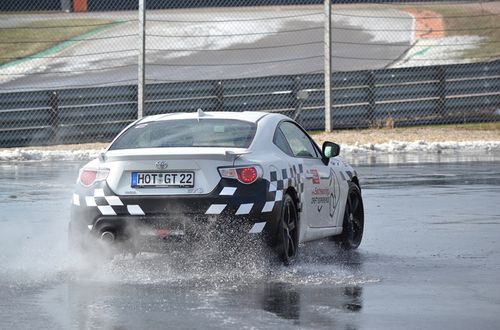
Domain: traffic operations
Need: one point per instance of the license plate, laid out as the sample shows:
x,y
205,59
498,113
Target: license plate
x,y
162,179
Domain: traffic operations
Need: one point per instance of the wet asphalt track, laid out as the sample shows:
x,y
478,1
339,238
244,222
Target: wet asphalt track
x,y
430,259
220,44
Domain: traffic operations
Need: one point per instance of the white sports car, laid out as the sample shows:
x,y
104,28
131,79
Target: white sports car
x,y
177,176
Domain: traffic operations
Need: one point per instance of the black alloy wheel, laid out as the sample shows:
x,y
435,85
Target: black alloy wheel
x,y
288,236
354,220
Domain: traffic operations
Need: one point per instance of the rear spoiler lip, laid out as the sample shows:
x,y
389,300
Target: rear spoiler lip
x,y
164,153
232,155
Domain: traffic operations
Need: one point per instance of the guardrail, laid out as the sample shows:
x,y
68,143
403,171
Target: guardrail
x,y
430,95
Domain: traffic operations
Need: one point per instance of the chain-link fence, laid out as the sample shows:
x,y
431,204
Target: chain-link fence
x,y
70,69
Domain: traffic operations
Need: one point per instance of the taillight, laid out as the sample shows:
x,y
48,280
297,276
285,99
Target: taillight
x,y
246,175
88,176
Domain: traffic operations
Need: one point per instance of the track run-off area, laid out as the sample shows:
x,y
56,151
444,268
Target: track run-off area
x,y
214,43
429,259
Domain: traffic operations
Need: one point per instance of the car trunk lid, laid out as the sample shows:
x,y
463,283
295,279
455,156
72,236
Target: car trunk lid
x,y
203,163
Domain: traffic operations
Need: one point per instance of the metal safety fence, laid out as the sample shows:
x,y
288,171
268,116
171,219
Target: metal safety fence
x,y
390,97
73,72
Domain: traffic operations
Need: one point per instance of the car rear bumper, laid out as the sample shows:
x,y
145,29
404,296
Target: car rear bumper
x,y
231,205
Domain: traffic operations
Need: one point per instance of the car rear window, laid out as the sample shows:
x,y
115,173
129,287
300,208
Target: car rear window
x,y
187,133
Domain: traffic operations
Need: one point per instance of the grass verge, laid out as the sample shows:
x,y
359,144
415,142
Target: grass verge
x,y
29,39
495,126
437,133
465,20
461,21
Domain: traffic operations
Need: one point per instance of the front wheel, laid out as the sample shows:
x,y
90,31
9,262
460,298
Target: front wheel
x,y
354,220
288,233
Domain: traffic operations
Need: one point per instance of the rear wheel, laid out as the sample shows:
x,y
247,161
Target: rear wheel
x,y
287,233
354,221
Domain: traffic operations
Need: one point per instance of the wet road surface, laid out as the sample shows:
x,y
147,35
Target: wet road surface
x,y
430,259
215,43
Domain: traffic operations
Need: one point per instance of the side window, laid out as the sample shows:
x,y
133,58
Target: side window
x,y
298,141
280,141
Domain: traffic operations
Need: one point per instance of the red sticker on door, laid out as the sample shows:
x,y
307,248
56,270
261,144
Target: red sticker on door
x,y
315,176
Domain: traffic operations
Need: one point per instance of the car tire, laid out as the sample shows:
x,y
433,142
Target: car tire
x,y
354,221
288,231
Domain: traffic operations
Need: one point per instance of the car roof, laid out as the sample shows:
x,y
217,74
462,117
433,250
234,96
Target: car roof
x,y
251,116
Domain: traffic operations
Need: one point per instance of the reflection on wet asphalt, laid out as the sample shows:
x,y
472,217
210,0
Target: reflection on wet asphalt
x,y
430,259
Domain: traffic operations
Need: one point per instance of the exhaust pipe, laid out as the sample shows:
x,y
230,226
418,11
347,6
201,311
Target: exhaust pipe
x,y
108,237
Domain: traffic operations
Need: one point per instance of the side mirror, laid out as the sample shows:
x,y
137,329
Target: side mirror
x,y
330,149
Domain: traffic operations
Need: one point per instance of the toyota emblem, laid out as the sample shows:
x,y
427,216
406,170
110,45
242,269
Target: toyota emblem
x,y
161,165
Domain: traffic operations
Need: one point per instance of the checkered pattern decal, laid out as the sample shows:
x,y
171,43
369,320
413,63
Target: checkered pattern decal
x,y
281,180
107,203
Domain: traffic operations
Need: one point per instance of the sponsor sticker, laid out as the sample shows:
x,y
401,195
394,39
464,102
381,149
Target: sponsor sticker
x,y
315,176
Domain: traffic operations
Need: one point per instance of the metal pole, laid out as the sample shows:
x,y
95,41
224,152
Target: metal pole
x,y
142,59
328,65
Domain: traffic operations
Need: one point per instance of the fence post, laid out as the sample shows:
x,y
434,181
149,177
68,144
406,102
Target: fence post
x,y
219,94
441,90
328,65
371,98
142,59
54,116
299,96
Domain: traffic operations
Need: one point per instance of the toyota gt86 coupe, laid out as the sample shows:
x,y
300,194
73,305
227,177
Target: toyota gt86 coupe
x,y
181,175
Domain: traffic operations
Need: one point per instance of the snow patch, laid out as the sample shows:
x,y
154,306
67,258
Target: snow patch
x,y
440,51
396,147
392,147
46,155
213,35
161,37
373,22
